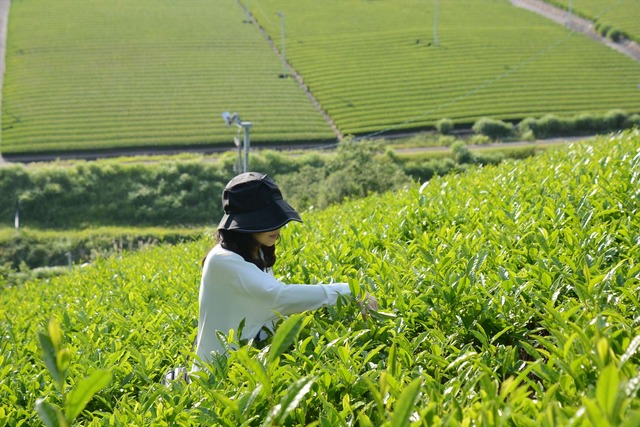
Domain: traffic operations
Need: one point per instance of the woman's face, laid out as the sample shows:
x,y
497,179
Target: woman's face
x,y
267,238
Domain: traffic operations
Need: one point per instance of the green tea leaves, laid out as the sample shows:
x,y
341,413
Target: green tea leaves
x,y
84,391
497,308
285,335
50,415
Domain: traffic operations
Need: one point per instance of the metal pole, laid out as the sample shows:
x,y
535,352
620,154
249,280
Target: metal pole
x,y
284,49
435,26
570,7
16,219
246,126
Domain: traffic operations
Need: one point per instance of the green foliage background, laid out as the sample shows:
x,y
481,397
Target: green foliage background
x,y
509,296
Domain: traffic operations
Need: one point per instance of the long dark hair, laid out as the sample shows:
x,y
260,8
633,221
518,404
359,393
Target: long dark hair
x,y
245,245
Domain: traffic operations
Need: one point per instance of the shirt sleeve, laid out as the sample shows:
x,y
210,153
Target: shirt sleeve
x,y
275,296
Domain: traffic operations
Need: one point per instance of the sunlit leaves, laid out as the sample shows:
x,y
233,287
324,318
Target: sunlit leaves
x,y
86,388
508,296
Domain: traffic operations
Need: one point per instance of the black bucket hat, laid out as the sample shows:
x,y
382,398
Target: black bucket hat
x,y
253,203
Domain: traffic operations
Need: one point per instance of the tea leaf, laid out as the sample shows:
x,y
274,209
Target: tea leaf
x,y
50,359
285,335
406,402
631,350
55,334
289,402
50,414
607,388
63,358
78,398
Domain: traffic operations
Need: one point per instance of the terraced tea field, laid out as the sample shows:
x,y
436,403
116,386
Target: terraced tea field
x,y
97,75
119,75
373,65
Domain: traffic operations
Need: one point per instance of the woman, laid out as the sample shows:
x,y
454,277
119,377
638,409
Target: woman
x,y
237,283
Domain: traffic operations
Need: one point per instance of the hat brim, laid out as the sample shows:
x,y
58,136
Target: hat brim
x,y
272,217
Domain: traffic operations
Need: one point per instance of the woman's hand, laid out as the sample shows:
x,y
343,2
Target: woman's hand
x,y
368,303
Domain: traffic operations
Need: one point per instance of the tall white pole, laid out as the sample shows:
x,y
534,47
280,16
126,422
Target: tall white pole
x,y
570,7
16,219
246,126
435,26
284,49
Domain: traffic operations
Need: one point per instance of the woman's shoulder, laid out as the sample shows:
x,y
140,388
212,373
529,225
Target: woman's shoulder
x,y
219,256
219,253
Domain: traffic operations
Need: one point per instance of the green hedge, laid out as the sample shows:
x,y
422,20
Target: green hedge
x,y
175,194
32,248
186,193
580,124
550,125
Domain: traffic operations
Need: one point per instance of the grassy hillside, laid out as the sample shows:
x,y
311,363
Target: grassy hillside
x,y
621,14
509,297
98,75
374,66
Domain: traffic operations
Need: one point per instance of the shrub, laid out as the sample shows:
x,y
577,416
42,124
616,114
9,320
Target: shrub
x,y
301,189
444,126
602,28
446,140
528,136
632,121
583,123
587,123
615,120
424,171
529,124
461,153
30,249
180,193
357,169
420,171
614,34
551,125
494,129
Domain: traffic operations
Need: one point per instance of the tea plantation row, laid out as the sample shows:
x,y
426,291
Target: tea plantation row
x,y
508,294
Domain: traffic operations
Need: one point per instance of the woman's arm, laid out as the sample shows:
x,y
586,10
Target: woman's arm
x,y
276,296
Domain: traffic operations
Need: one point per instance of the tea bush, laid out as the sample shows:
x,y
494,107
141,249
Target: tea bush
x,y
508,295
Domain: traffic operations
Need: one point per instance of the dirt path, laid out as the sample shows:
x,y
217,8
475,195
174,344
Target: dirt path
x,y
577,24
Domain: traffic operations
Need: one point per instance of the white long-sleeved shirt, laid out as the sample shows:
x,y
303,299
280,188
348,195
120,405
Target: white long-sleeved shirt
x,y
233,289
